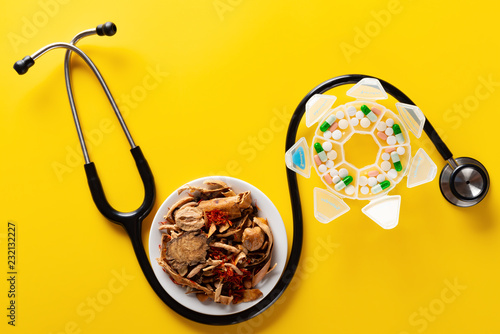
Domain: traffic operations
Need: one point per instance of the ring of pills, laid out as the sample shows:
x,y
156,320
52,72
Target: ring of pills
x,y
329,154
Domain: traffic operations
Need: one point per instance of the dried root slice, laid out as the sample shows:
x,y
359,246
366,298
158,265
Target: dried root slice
x,y
232,205
184,281
189,217
253,238
170,214
226,247
202,297
189,249
250,295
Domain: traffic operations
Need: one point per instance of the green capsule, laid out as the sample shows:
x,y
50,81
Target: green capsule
x,y
327,123
344,183
318,148
321,153
368,113
385,184
397,132
381,186
396,129
396,161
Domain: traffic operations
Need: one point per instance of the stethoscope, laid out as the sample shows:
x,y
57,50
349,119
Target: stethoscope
x,y
464,181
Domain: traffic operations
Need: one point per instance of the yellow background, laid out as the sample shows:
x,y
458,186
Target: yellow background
x,y
228,68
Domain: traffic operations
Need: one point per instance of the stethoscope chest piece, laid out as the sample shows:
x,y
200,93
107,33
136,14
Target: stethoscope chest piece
x,y
464,182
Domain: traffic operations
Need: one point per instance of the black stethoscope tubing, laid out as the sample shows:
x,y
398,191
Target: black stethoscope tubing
x,y
132,221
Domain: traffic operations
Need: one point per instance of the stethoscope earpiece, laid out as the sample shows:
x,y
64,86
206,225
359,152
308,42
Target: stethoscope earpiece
x,y
464,182
106,29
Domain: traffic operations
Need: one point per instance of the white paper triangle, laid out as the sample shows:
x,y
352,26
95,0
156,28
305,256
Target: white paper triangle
x,y
413,117
327,206
368,89
384,211
297,158
422,169
317,106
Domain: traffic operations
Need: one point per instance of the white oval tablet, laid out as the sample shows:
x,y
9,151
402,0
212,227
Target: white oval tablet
x,y
380,178
381,126
391,140
349,190
332,155
385,165
392,173
343,124
365,122
363,181
365,190
337,134
327,146
372,181
343,172
351,111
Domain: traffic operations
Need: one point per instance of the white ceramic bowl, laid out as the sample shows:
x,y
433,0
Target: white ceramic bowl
x,y
279,253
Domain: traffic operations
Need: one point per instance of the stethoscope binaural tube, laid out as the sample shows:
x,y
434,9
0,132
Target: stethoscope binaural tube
x,y
463,182
132,221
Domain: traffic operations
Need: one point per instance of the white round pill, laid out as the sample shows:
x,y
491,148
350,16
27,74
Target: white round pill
x,y
386,156
365,190
389,122
363,181
365,122
392,173
372,181
391,140
385,165
349,190
389,131
354,121
336,179
351,111
359,114
327,146
343,172
332,155
333,172
381,126
339,114
337,134
327,134
343,124
322,168
329,164
380,178
401,150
